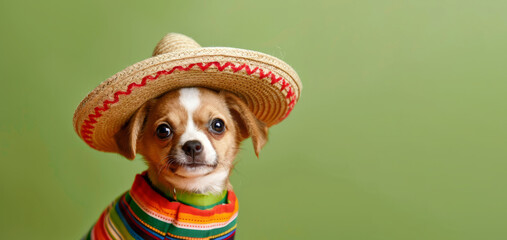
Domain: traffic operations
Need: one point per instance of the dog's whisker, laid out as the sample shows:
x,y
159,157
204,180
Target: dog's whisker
x,y
165,162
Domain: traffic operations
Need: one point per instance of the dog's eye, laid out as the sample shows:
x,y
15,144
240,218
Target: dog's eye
x,y
217,126
163,131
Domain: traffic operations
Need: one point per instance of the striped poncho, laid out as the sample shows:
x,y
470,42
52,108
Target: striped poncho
x,y
142,213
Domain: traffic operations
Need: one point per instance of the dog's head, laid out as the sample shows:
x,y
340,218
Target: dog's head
x,y
190,137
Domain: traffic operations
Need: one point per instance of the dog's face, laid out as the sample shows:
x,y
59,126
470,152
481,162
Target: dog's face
x,y
190,137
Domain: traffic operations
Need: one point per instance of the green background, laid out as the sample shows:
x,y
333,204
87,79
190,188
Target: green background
x,y
400,132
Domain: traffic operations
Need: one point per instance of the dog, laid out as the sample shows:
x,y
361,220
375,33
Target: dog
x,y
186,110
189,139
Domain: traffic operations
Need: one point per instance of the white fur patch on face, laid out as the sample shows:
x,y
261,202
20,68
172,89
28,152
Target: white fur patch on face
x,y
212,183
190,100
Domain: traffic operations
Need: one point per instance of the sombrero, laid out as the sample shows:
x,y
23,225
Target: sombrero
x,y
269,86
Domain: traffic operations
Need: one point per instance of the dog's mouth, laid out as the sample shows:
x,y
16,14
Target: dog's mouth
x,y
190,166
189,170
196,165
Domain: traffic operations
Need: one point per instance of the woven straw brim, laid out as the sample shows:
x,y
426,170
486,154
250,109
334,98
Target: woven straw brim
x,y
268,85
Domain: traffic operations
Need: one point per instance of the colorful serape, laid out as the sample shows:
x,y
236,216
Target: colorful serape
x,y
142,213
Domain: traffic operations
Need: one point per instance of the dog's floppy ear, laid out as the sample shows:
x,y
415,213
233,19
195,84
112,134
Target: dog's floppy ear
x,y
248,124
126,139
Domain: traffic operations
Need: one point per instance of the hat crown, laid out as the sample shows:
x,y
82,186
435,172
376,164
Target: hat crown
x,y
174,42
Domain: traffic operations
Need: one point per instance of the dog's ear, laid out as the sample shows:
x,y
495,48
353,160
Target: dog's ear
x,y
247,124
127,138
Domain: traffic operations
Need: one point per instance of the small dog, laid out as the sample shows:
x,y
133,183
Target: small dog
x,y
189,139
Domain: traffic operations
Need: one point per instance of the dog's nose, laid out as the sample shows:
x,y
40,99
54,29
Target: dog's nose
x,y
192,148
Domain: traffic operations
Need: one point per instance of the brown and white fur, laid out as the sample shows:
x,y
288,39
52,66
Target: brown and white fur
x,y
176,134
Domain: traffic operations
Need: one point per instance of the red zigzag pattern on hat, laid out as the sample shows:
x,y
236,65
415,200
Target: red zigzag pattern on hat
x,y
88,124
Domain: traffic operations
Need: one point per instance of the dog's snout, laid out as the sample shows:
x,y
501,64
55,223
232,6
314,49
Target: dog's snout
x,y
192,148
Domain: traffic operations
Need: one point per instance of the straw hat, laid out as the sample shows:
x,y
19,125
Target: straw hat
x,y
268,85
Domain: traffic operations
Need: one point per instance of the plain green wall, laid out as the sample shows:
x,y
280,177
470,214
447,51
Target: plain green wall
x,y
400,132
